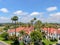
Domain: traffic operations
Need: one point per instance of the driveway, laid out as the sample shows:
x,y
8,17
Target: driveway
x,y
1,43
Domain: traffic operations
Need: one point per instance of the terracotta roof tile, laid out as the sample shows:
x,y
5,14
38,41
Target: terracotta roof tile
x,y
26,29
52,30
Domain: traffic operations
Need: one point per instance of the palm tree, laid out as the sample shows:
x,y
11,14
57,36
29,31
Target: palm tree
x,y
32,21
34,18
14,18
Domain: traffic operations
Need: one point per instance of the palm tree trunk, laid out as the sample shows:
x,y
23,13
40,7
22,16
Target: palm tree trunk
x,y
47,33
15,28
12,21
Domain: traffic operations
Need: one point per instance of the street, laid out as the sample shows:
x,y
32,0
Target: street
x,y
2,43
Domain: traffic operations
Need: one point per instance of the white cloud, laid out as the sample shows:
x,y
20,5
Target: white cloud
x,y
55,14
25,19
5,10
20,12
54,18
28,16
4,19
51,8
36,13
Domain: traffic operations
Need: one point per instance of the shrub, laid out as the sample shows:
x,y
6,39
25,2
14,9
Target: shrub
x,y
4,35
43,43
16,42
53,39
50,44
12,37
36,43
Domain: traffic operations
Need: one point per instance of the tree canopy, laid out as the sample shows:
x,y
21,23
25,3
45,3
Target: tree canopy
x,y
36,35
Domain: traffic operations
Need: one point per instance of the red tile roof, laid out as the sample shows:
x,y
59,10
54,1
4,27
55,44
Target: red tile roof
x,y
26,29
29,29
52,30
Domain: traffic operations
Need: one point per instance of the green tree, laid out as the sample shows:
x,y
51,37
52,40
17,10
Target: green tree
x,y
36,35
22,33
38,25
6,27
4,35
29,24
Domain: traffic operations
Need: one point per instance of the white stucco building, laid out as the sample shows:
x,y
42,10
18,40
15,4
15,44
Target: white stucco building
x,y
52,32
27,30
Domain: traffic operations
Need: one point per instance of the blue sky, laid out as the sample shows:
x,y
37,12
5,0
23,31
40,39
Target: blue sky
x,y
44,10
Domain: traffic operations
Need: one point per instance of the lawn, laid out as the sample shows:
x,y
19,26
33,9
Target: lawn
x,y
7,41
1,38
47,42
